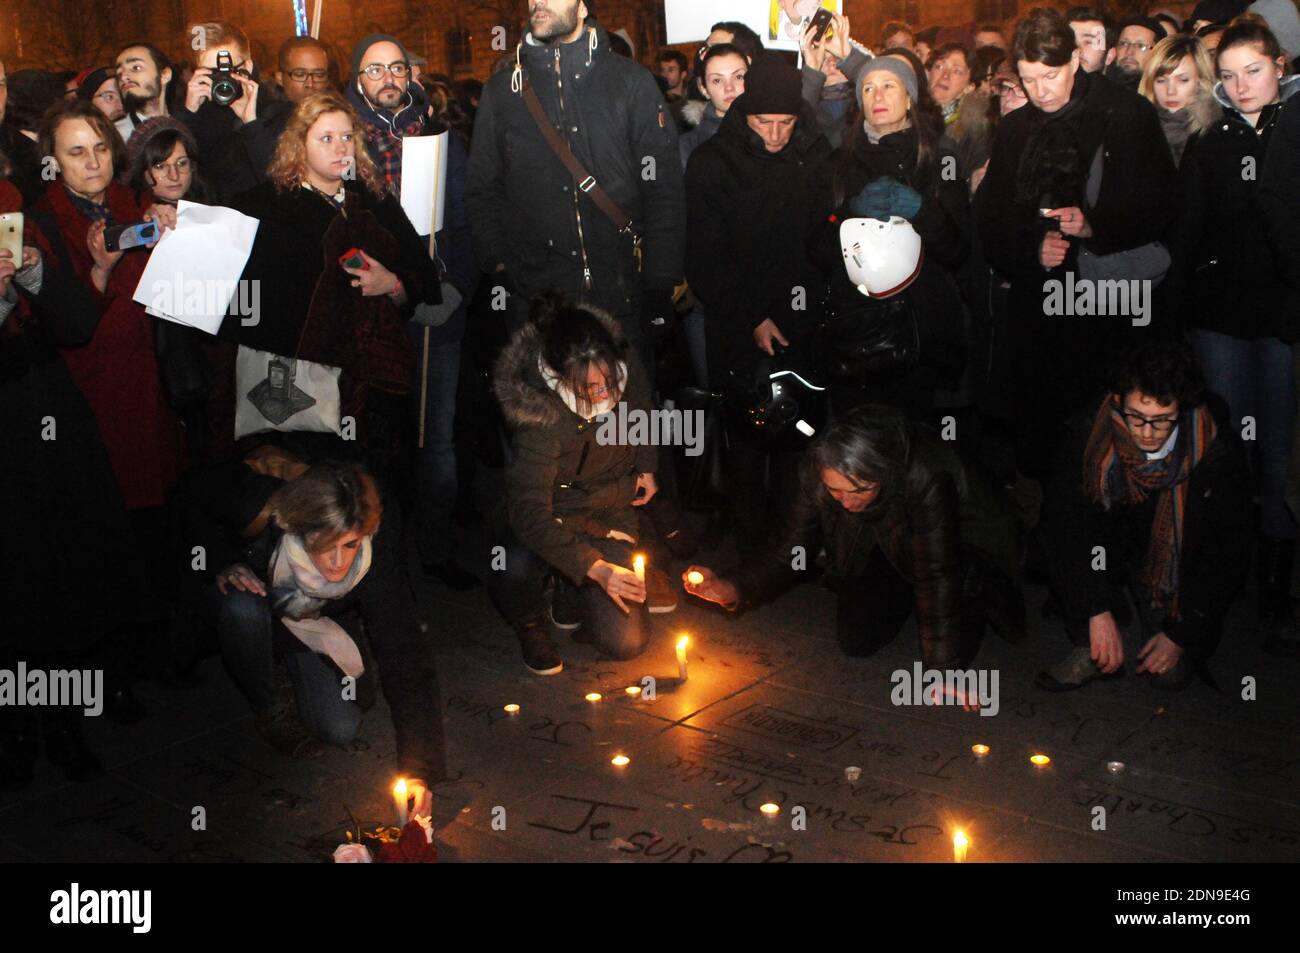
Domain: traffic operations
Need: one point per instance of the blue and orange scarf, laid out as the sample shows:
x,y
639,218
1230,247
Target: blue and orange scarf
x,y
1116,470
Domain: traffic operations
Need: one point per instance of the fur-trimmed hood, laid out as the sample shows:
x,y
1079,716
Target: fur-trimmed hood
x,y
693,112
526,400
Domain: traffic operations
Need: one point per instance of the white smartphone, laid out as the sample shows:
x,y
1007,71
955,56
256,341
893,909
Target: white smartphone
x,y
11,236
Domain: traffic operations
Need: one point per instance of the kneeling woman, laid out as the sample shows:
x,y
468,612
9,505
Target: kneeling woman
x,y
908,529
569,490
317,552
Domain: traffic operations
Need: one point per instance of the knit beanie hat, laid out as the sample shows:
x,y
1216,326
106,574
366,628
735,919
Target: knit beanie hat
x,y
772,87
1283,20
89,81
892,64
366,43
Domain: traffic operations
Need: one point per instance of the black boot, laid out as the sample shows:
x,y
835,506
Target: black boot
x,y
1275,561
65,746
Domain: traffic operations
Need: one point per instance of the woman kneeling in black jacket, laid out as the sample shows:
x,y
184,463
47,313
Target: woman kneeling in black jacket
x,y
907,528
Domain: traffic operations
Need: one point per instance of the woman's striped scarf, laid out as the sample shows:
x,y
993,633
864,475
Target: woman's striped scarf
x,y
1116,470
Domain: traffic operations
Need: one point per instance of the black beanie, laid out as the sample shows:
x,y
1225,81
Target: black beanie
x,y
92,80
359,50
772,86
1217,11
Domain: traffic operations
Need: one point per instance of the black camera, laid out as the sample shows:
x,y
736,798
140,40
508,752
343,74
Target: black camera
x,y
225,87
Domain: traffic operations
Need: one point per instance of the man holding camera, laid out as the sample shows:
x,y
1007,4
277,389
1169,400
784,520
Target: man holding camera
x,y
235,119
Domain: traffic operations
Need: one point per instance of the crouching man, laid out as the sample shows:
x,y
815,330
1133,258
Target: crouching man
x,y
1151,500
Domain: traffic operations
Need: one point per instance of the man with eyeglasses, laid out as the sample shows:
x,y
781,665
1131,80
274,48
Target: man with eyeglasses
x,y
144,81
236,139
99,86
1152,500
304,68
1137,38
1094,36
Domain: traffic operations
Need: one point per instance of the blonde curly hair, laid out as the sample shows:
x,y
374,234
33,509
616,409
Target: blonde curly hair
x,y
288,168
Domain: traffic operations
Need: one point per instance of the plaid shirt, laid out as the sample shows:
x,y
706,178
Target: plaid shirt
x,y
384,136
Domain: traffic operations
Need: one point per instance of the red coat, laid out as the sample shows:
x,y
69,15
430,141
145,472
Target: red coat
x,y
118,369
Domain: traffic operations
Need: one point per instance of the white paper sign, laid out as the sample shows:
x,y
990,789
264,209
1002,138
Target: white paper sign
x,y
193,272
424,176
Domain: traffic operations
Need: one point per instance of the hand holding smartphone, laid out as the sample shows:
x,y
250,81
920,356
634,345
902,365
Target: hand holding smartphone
x,y
124,237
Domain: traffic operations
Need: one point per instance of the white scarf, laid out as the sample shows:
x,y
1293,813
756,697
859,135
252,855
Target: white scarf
x,y
300,592
563,391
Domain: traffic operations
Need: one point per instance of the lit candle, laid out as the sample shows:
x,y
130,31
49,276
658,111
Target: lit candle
x,y
695,577
401,800
619,760
959,845
770,809
633,690
1041,760
681,658
980,750
638,567
512,709
593,697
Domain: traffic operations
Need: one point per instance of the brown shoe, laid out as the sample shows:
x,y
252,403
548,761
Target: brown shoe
x,y
660,596
283,730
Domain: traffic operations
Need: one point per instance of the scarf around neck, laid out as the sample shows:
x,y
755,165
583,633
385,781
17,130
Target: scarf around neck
x,y
299,592
1118,471
561,389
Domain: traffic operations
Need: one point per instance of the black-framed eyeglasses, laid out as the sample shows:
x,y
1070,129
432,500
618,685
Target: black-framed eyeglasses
x,y
316,75
376,70
1158,424
1010,89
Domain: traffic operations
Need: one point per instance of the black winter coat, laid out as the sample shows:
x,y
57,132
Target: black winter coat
x,y
521,198
1216,543
944,224
942,520
1234,264
564,486
235,155
750,213
1279,193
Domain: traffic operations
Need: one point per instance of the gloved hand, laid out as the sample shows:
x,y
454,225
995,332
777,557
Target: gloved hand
x,y
885,197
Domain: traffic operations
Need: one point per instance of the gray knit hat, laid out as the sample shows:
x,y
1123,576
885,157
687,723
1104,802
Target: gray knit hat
x,y
893,64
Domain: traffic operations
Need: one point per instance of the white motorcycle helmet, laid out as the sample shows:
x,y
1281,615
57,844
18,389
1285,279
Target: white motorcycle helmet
x,y
882,257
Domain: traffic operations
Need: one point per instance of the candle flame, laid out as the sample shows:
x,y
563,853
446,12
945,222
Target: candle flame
x,y
593,696
682,642
638,562
512,708
695,577
960,840
770,809
399,789
619,760
633,690
1041,760
980,750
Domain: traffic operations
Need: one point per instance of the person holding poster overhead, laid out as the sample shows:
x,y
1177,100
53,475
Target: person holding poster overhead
x,y
612,238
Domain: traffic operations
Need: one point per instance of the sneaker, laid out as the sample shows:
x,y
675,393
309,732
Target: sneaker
x,y
659,594
283,730
540,653
1072,672
565,612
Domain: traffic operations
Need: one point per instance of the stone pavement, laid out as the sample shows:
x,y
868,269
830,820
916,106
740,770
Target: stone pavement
x,y
771,712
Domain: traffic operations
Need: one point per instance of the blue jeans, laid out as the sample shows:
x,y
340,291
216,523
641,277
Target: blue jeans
x,y
518,591
437,462
693,334
249,641
1257,379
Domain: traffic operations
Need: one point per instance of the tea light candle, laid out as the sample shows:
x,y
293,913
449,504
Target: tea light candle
x,y
695,577
619,760
979,750
638,567
401,800
1041,760
770,810
512,709
593,697
960,842
681,657
633,690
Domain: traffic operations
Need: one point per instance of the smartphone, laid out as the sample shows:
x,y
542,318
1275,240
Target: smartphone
x,y
821,24
11,236
123,237
352,258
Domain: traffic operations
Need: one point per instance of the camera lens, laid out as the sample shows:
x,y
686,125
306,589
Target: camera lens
x,y
225,90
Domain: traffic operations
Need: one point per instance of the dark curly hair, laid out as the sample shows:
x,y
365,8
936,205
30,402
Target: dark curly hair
x,y
574,338
1165,370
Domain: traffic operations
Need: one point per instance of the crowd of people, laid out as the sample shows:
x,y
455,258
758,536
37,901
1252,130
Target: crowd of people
x,y
958,309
